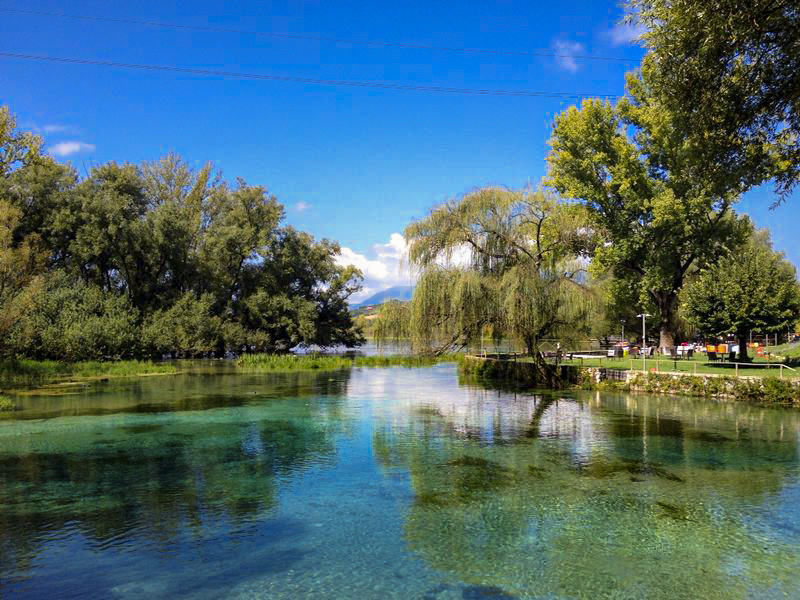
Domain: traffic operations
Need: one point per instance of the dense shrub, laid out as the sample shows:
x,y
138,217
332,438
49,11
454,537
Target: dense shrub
x,y
72,320
188,327
5,404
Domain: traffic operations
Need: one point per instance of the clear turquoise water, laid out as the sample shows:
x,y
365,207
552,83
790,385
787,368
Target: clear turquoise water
x,y
392,483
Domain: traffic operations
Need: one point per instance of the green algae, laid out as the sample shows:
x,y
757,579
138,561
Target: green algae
x,y
673,511
537,472
602,470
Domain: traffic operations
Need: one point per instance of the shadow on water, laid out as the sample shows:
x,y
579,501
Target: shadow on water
x,y
204,390
467,592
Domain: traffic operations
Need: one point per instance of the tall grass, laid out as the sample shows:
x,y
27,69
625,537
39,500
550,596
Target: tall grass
x,y
291,362
25,371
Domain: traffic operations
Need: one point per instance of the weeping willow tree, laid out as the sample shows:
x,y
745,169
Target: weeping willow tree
x,y
495,260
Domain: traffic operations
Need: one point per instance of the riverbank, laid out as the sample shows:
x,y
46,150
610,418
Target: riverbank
x,y
25,371
762,390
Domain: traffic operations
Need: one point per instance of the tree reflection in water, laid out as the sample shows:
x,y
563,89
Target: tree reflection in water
x,y
154,480
639,496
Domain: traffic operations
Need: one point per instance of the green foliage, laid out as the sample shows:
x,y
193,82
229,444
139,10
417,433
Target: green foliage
x,y
6,405
21,265
655,219
498,261
755,289
519,373
187,327
198,264
761,390
393,321
729,73
291,362
71,320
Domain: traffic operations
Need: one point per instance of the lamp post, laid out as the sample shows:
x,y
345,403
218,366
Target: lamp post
x,y
623,328
644,341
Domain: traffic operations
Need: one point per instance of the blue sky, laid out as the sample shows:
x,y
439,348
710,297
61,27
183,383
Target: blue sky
x,y
351,164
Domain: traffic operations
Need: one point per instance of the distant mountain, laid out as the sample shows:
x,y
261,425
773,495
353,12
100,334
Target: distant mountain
x,y
397,292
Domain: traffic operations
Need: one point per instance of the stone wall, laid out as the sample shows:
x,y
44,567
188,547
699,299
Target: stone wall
x,y
770,390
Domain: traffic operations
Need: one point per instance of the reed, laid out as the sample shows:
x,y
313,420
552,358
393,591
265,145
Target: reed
x,y
25,370
291,362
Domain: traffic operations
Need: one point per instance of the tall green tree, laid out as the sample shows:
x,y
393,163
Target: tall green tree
x,y
296,294
197,262
496,260
21,270
656,218
729,73
753,290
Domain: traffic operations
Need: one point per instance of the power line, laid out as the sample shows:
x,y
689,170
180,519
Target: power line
x,y
334,82
320,38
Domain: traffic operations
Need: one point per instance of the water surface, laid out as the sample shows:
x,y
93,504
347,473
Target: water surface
x,y
392,483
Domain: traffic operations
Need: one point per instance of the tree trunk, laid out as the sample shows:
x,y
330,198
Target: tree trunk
x,y
666,337
546,374
743,348
667,307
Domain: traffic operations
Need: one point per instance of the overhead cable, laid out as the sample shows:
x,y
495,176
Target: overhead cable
x,y
321,38
309,80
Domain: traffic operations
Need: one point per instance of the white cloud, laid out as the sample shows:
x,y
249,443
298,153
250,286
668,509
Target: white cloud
x,y
622,34
302,206
567,51
69,148
54,128
387,267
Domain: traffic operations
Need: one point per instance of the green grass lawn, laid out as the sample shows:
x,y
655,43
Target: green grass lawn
x,y
789,351
698,364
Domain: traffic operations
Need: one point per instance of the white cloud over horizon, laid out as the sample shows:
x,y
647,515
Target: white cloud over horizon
x,y
302,206
71,147
567,51
386,266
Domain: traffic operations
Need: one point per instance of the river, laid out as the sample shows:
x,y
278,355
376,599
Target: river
x,y
392,483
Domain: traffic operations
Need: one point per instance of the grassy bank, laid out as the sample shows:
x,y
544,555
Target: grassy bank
x,y
15,372
791,352
760,390
698,365
292,362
